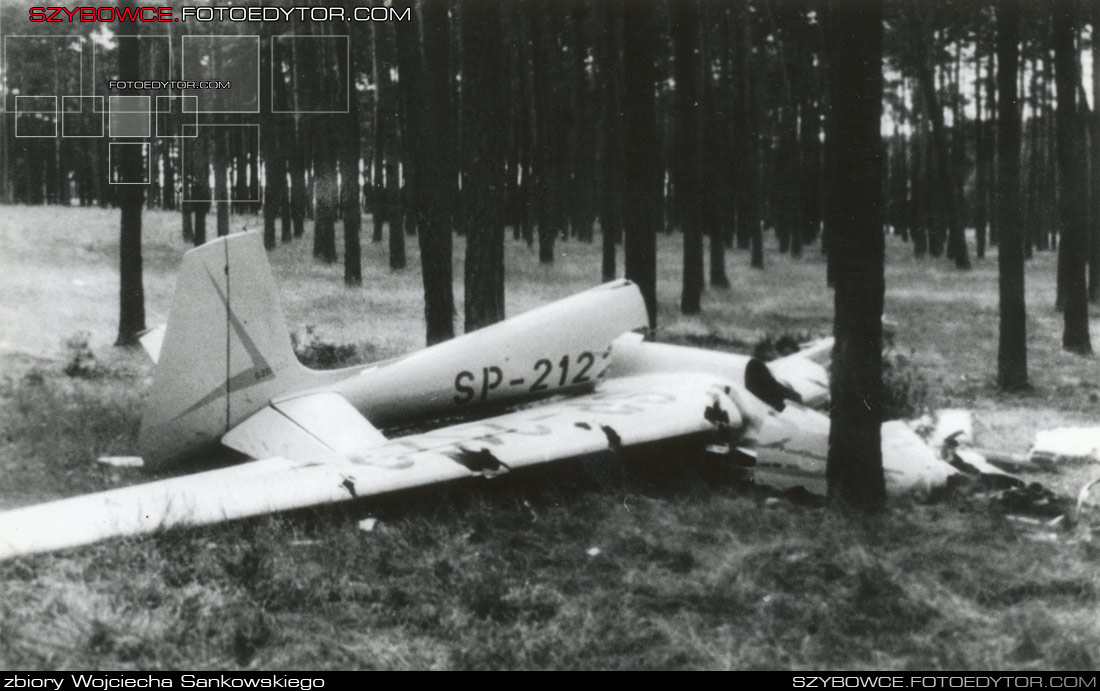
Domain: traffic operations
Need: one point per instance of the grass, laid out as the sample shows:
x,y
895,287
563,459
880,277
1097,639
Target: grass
x,y
552,569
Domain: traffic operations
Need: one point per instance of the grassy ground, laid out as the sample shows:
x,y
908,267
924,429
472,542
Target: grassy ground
x,y
673,569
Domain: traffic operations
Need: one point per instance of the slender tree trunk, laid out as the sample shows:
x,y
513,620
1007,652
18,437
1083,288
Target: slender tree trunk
x,y
981,184
1072,206
611,189
642,172
484,97
221,189
131,317
349,162
382,63
328,197
269,145
1012,347
544,51
992,150
956,237
425,81
1094,235
689,150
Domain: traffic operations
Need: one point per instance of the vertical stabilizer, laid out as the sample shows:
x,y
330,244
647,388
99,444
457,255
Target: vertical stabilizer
x,y
226,350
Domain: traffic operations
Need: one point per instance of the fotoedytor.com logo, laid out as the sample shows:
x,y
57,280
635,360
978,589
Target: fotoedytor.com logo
x,y
219,14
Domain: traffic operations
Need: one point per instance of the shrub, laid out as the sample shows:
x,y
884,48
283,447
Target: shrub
x,y
314,352
81,362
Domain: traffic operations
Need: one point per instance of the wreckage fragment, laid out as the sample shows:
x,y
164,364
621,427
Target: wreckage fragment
x,y
1067,443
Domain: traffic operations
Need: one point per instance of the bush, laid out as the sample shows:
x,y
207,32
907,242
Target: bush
x,y
905,391
319,354
81,361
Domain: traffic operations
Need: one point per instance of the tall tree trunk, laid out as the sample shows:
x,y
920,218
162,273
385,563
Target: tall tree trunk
x,y
484,97
721,159
382,63
981,184
992,151
854,466
131,314
544,52
956,237
1012,346
642,175
1072,205
425,81
1094,235
221,188
689,150
328,197
349,161
611,189
269,146
201,187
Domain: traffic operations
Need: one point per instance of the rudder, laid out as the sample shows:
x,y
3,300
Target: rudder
x,y
226,350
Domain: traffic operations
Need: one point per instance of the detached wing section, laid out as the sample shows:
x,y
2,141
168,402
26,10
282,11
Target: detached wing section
x,y
622,413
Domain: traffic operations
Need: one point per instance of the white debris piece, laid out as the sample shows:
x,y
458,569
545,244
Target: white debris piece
x,y
122,461
908,463
367,524
953,424
593,551
1067,443
809,379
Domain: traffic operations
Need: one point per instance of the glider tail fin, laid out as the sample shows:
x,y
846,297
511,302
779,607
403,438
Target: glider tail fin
x,y
226,351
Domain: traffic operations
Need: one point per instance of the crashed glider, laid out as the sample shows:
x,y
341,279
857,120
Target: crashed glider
x,y
567,380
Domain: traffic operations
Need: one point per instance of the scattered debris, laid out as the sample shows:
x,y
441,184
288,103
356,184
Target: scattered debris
x,y
1067,444
121,461
367,524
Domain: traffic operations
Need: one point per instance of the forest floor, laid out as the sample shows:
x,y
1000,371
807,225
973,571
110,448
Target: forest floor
x,y
690,572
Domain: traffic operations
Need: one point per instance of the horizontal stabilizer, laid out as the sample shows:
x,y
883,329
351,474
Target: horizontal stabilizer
x,y
305,427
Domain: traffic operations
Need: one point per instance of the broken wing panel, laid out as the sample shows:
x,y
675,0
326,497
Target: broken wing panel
x,y
794,445
622,413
